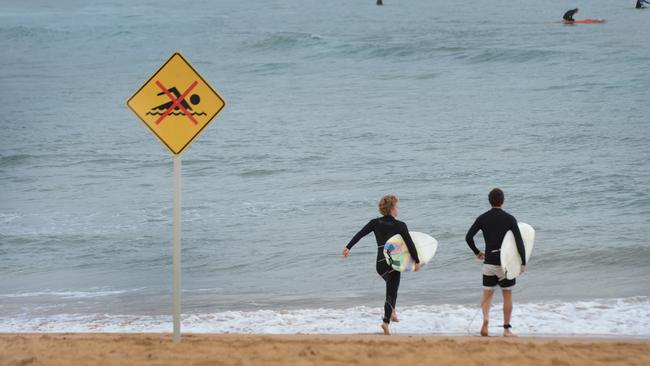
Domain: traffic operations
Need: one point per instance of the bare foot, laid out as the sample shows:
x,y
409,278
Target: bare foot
x,y
484,329
393,317
508,333
384,326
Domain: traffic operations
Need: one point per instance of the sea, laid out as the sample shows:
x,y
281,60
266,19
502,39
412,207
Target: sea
x,y
331,105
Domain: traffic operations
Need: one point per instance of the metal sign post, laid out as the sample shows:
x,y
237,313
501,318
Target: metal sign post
x,y
177,250
176,104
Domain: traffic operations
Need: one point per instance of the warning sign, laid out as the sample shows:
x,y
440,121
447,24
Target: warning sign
x,y
176,103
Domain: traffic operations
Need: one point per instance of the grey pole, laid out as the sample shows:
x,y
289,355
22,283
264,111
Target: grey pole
x,y
177,249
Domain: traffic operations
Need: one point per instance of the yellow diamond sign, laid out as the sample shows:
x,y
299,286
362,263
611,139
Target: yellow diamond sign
x,y
176,103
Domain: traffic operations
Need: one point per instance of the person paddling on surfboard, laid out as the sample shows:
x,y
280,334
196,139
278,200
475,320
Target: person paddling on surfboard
x,y
568,16
495,223
384,228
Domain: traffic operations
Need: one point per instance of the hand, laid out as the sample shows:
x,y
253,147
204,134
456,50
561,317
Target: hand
x,y
523,269
418,266
481,256
346,252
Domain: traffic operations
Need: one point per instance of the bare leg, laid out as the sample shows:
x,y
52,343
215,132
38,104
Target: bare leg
x,y
384,327
485,305
507,311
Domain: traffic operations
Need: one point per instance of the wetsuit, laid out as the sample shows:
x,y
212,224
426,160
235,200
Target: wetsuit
x,y
495,223
568,16
385,227
639,4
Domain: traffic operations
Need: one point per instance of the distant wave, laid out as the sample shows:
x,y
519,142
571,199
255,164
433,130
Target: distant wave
x,y
283,40
314,46
36,33
420,50
508,55
383,50
261,172
64,294
269,68
121,33
629,317
13,160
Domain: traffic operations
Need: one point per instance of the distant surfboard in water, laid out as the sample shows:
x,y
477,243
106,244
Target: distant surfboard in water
x,y
579,21
587,21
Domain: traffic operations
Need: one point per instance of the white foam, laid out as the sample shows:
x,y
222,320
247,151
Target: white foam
x,y
628,317
65,294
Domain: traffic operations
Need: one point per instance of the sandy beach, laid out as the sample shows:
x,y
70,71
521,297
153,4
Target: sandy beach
x,y
201,349
311,133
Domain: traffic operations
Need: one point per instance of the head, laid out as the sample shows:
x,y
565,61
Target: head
x,y
496,197
388,205
576,9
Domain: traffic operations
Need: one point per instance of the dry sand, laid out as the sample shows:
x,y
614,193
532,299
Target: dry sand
x,y
199,349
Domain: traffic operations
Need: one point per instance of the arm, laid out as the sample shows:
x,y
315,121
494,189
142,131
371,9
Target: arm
x,y
409,244
520,242
365,231
469,238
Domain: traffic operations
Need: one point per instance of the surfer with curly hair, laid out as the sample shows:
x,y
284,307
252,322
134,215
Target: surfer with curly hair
x,y
384,227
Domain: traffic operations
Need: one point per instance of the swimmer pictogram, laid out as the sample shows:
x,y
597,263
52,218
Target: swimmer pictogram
x,y
177,102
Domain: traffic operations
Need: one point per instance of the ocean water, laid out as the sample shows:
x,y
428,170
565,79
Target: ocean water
x,y
332,104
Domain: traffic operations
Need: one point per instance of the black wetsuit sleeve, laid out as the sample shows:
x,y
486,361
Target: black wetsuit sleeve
x,y
365,231
409,243
520,242
469,238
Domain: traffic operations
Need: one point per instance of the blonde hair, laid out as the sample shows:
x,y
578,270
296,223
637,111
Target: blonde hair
x,y
387,203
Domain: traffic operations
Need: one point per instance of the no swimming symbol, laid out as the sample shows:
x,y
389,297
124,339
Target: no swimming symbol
x,y
177,102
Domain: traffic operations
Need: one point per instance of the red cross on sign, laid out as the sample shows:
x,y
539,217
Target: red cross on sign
x,y
176,102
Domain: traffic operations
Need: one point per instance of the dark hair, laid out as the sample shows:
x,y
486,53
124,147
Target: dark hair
x,y
496,197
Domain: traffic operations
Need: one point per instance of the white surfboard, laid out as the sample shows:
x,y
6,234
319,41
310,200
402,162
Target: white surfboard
x,y
398,256
510,259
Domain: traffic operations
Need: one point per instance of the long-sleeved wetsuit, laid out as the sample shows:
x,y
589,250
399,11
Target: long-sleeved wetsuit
x,y
385,227
495,223
639,4
568,16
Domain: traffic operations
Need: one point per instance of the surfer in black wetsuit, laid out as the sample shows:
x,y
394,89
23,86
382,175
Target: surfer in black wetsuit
x,y
639,4
384,227
495,223
568,16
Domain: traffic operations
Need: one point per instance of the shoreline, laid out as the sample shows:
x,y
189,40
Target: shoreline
x,y
321,349
494,335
